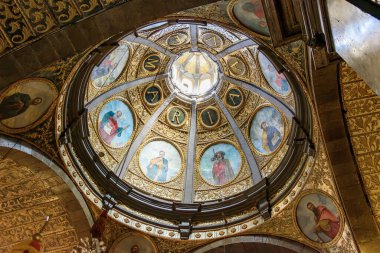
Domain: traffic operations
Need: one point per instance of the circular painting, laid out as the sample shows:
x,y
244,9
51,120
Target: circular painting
x,y
27,103
220,164
276,80
110,68
267,130
115,123
318,217
133,243
250,13
160,161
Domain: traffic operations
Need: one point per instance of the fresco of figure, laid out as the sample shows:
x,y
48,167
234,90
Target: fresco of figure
x,y
275,79
158,168
115,123
222,171
271,137
267,130
325,221
109,127
15,104
318,217
250,13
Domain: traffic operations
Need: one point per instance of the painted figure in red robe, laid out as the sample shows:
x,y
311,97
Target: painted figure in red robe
x,y
109,126
325,221
222,171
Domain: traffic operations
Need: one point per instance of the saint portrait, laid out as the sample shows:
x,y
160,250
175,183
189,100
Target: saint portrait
x,y
267,130
110,68
25,103
115,123
160,161
318,217
133,242
220,164
276,80
250,13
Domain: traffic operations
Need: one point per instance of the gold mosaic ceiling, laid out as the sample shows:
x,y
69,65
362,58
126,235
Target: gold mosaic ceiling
x,y
149,132
183,113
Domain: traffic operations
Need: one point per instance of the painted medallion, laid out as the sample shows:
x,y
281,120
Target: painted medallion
x,y
250,13
220,164
267,130
110,68
318,217
160,161
115,123
276,80
133,243
27,103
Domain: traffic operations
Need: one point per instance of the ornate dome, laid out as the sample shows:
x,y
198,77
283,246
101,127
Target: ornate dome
x,y
191,123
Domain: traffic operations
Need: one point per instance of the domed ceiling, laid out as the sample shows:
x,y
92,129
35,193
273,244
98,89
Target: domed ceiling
x,y
183,120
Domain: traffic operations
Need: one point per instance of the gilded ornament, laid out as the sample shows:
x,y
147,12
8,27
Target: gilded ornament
x,y
236,66
210,117
176,116
152,62
152,95
177,39
234,98
212,40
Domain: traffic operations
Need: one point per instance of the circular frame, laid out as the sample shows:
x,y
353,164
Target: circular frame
x,y
203,150
44,116
144,91
179,150
217,112
178,32
97,113
242,99
256,57
246,70
146,57
284,122
184,112
341,217
126,235
105,87
230,12
205,33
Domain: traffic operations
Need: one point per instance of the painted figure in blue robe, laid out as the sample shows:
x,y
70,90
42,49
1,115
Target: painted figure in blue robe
x,y
109,126
157,169
271,137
